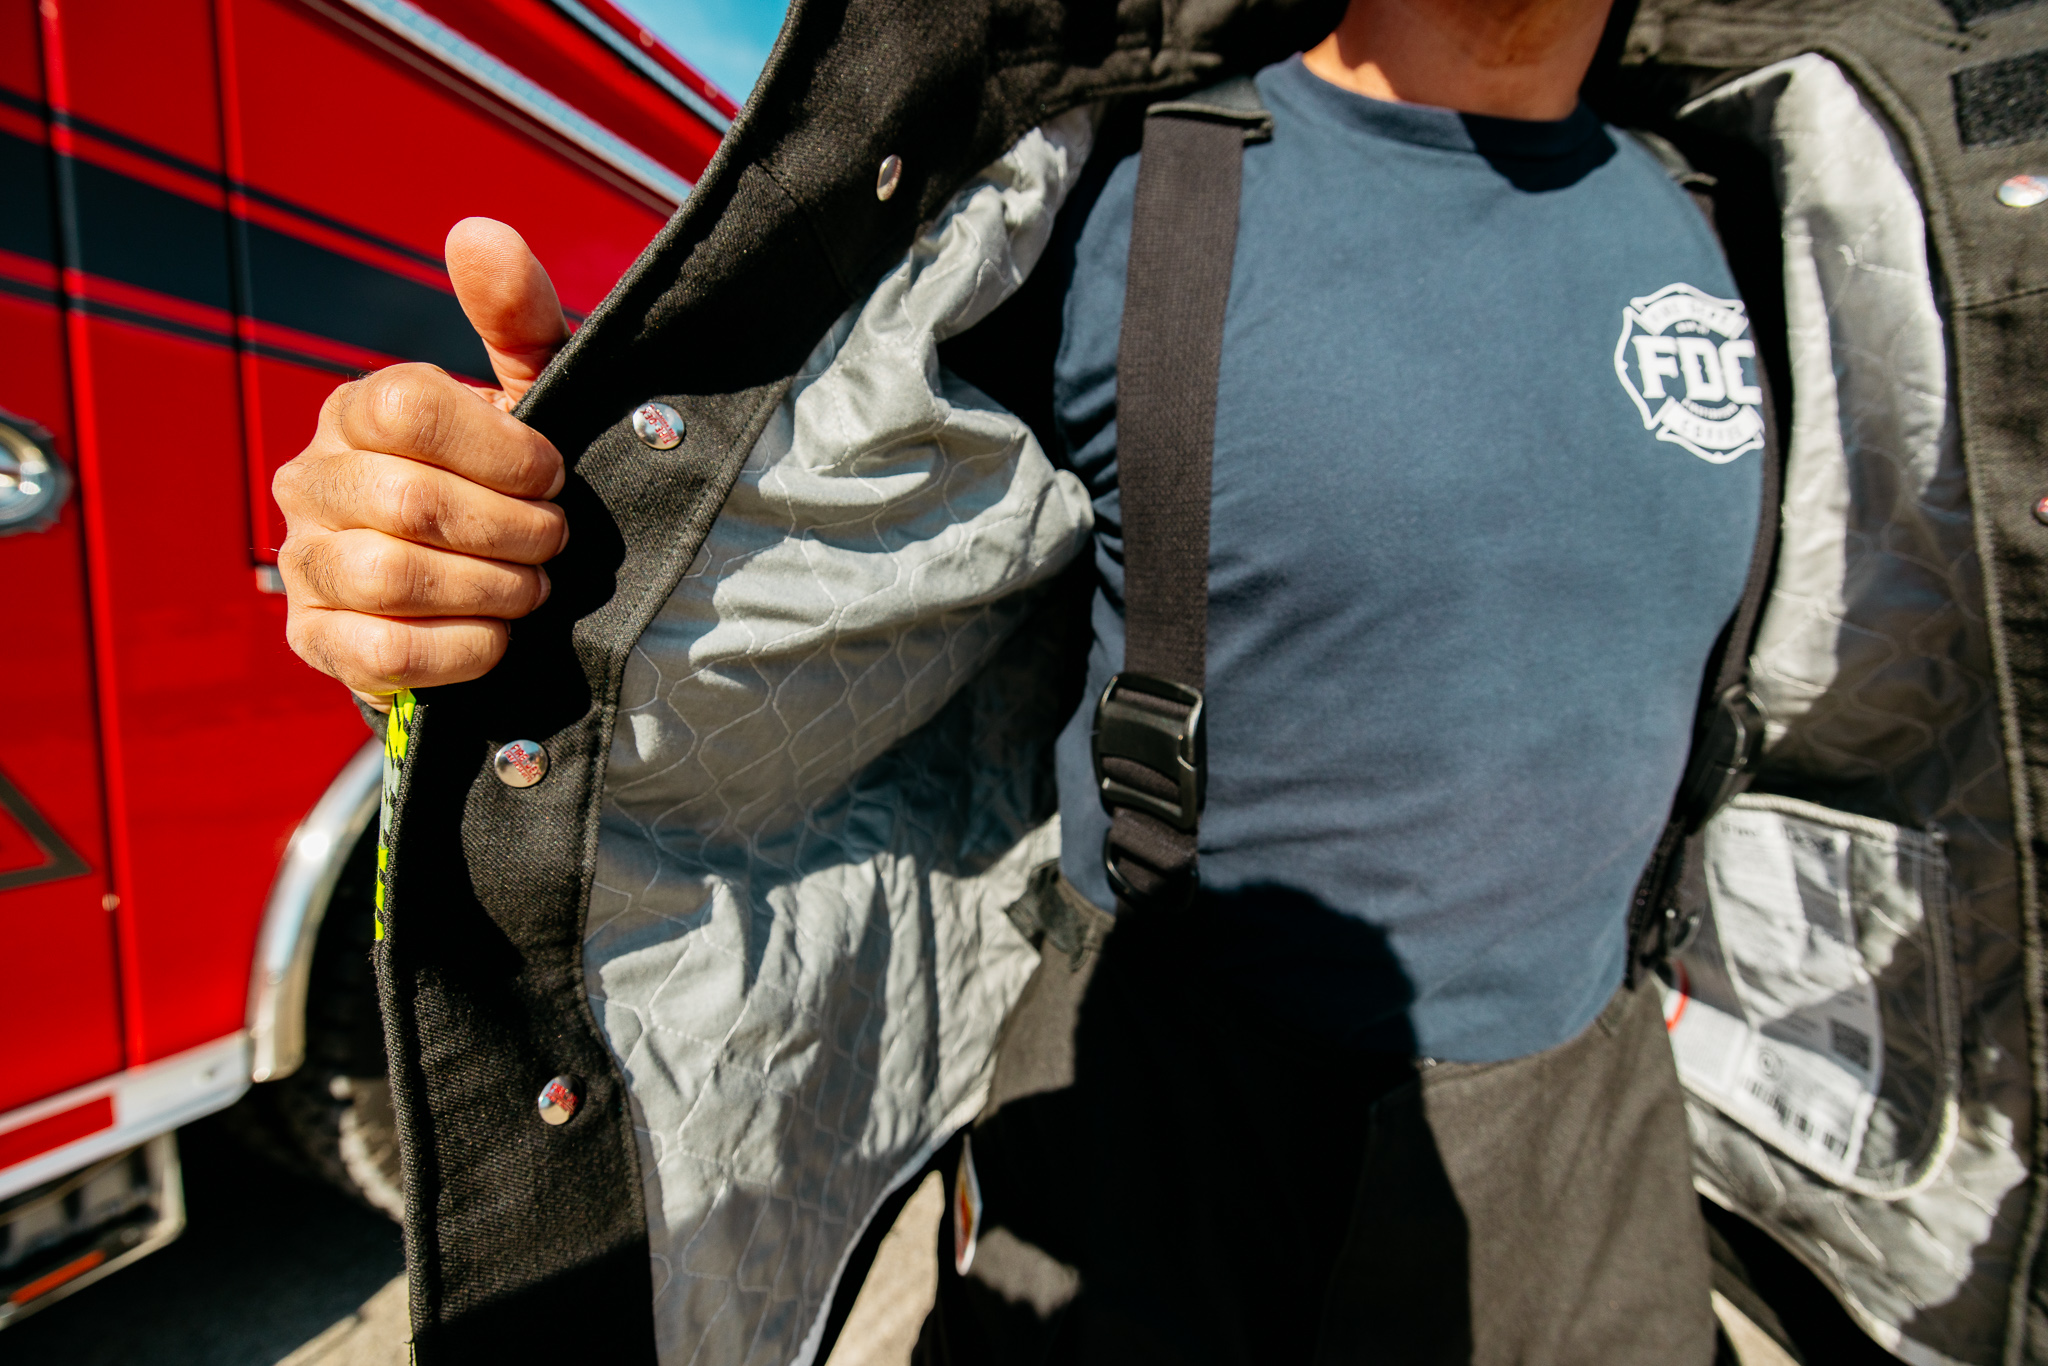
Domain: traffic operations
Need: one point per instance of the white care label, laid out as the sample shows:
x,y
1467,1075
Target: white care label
x,y
1773,1014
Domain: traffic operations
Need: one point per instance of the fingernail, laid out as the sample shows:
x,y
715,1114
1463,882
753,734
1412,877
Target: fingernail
x,y
547,586
565,539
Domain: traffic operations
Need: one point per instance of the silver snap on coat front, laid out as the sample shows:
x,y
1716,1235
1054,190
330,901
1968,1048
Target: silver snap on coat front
x,y
558,1100
2023,192
520,763
659,425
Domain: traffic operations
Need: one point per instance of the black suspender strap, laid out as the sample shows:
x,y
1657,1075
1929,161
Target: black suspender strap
x,y
1149,750
1149,746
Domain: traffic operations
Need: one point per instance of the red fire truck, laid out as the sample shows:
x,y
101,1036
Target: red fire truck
x,y
211,212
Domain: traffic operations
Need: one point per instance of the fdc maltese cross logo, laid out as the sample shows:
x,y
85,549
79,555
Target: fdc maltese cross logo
x,y
1689,364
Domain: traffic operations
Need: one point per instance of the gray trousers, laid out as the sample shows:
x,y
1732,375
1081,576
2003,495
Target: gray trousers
x,y
1175,1169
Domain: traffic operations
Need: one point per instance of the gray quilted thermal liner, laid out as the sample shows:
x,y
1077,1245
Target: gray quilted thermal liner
x,y
817,806
1873,669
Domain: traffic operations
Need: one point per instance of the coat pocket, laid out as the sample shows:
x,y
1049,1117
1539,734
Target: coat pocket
x,y
1818,1005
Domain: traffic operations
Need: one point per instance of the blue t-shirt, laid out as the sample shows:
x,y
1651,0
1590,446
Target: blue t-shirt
x,y
1485,493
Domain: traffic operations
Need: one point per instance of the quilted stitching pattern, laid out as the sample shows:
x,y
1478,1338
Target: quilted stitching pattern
x,y
1873,669
824,793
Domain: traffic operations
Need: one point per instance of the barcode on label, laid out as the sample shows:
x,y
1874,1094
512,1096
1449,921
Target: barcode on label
x,y
1797,1120
1849,1043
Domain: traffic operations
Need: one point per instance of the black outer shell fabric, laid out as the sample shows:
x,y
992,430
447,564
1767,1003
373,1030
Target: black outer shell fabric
x,y
520,1234
1991,267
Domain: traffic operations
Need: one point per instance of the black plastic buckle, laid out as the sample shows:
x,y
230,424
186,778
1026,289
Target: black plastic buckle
x,y
1176,748
1724,754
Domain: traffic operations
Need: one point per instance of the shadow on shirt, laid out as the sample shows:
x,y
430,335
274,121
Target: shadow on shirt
x,y
1537,158
1187,1134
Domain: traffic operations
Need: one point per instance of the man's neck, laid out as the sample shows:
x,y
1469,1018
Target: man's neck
x,y
1513,59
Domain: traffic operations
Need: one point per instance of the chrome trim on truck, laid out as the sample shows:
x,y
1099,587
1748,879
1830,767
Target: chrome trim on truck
x,y
430,35
298,903
131,1107
134,1218
33,481
646,65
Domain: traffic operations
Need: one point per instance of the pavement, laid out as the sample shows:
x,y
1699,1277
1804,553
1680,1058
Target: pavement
x,y
278,1270
268,1263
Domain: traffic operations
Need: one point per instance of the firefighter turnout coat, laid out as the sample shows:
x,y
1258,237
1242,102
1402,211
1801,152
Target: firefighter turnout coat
x,y
791,703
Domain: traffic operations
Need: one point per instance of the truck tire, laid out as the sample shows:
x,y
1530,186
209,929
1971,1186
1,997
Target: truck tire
x,y
332,1118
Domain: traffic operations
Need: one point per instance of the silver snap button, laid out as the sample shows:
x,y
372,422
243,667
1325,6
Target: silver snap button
x,y
887,178
659,425
520,763
2023,192
558,1100
2041,510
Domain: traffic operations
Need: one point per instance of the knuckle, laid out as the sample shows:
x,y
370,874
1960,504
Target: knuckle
x,y
409,501
348,414
386,578
536,531
304,639
305,485
322,563
524,462
312,633
481,522
541,464
303,562
554,521
317,480
289,492
402,408
508,534
334,408
287,484
483,648
291,562
521,593
384,650
366,572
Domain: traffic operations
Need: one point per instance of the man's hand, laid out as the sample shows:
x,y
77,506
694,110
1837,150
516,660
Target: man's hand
x,y
416,520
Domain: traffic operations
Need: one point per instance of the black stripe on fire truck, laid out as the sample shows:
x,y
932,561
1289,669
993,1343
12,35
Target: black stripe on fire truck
x,y
33,293
309,289
25,211
129,231
135,317
99,308
175,162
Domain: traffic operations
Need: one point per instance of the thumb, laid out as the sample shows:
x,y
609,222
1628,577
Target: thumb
x,y
509,299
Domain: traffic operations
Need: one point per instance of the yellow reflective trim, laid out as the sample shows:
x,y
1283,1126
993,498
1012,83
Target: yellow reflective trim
x,y
397,740
398,725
